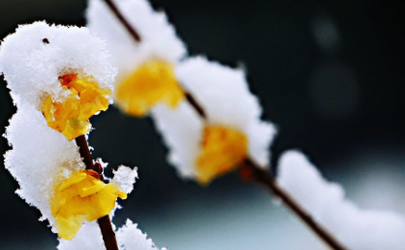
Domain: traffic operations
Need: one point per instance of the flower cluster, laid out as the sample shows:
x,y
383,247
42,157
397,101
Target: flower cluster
x,y
56,88
59,77
225,131
155,76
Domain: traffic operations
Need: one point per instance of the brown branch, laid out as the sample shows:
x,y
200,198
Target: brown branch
x,y
195,105
107,231
104,223
251,171
131,30
84,151
135,35
256,173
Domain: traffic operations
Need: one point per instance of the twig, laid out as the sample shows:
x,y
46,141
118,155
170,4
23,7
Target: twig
x,y
107,231
196,106
84,151
258,174
250,170
131,30
137,38
104,223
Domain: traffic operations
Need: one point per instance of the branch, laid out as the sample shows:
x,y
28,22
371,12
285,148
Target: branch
x,y
137,38
196,106
258,174
104,223
252,171
131,30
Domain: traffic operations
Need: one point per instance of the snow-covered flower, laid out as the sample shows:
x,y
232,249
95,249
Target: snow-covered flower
x,y
325,201
146,68
204,149
129,237
58,75
62,71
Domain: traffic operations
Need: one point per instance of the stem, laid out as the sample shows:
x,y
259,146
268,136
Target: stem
x,y
107,231
84,151
104,223
137,38
131,30
251,170
196,106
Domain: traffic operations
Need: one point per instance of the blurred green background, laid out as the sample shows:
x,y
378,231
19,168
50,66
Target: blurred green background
x,y
329,73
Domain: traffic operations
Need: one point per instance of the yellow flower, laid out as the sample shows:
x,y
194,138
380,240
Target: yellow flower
x,y
222,150
70,117
82,197
152,83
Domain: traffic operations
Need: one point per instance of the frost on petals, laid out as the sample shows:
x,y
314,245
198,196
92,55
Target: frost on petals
x,y
224,95
325,201
129,237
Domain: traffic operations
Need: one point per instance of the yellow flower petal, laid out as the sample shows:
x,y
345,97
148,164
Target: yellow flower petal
x,y
74,178
152,83
70,117
68,228
82,197
222,150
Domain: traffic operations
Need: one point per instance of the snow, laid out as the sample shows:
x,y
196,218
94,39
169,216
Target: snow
x,y
129,237
356,228
181,131
31,65
31,60
225,97
159,39
39,157
125,178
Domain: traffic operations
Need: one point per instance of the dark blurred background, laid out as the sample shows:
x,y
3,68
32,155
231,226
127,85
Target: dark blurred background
x,y
329,73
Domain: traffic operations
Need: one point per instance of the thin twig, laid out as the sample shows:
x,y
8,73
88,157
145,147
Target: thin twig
x,y
266,179
84,151
135,35
250,169
196,106
104,223
259,175
131,30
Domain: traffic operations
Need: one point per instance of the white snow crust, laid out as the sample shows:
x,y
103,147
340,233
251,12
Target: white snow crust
x,y
159,39
225,97
356,228
129,237
181,130
125,177
31,65
39,156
